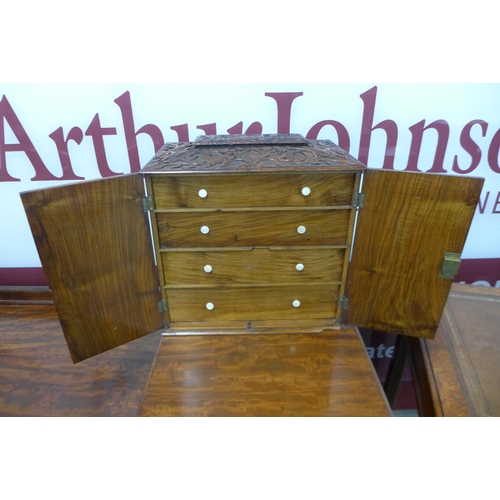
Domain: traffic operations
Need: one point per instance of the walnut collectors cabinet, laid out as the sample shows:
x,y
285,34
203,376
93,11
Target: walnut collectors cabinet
x,y
250,234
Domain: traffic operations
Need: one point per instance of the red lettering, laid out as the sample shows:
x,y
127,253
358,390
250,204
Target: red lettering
x,y
254,129
482,206
284,102
209,128
342,134
496,205
182,132
470,146
417,132
153,131
76,135
493,153
97,133
389,126
41,172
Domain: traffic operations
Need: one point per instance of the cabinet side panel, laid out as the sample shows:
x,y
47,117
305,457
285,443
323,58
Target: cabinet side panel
x,y
407,224
94,243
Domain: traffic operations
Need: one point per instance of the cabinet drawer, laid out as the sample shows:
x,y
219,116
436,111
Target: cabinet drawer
x,y
262,265
259,190
266,228
252,303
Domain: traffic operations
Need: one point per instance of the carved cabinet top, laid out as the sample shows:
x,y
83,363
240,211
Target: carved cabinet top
x,y
244,153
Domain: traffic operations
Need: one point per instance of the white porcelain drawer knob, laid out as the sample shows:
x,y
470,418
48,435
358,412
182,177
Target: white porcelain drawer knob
x,y
296,303
306,191
301,229
204,229
299,266
208,268
209,306
202,193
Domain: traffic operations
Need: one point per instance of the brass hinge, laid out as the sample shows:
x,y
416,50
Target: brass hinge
x,y
450,265
147,204
162,306
344,302
359,200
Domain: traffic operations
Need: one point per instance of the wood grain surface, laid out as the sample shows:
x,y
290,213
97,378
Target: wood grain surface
x,y
464,358
10,295
245,327
301,375
252,303
94,243
409,221
38,377
264,375
440,379
266,228
259,190
260,265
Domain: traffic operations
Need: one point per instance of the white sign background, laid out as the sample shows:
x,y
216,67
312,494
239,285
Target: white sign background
x,y
44,108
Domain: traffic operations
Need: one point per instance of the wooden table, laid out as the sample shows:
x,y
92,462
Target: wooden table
x,y
282,375
38,378
327,374
458,373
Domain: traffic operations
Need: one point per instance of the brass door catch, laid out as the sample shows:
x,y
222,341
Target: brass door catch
x,y
450,265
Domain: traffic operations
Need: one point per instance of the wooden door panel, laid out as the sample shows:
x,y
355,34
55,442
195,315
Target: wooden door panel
x,y
94,243
407,224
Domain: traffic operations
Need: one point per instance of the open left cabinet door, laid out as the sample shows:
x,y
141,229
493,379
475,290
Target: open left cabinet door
x,y
95,246
408,223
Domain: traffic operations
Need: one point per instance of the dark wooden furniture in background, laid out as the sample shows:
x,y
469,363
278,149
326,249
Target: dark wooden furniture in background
x,y
458,373
38,377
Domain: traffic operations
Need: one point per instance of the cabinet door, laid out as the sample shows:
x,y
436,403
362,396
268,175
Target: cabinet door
x,y
407,224
95,246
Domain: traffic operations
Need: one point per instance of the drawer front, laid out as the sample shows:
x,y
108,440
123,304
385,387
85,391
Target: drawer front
x,y
259,190
273,228
322,265
252,303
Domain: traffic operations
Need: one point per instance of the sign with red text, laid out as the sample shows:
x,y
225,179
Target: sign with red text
x,y
51,134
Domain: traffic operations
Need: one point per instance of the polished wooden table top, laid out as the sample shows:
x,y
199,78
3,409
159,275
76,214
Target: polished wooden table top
x,y
296,374
327,374
38,378
462,364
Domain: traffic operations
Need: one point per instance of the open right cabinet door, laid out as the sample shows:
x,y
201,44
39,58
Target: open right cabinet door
x,y
408,223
